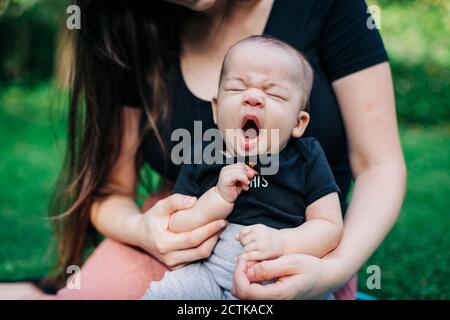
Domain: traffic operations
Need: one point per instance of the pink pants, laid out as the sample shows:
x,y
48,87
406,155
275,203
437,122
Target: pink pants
x,y
117,271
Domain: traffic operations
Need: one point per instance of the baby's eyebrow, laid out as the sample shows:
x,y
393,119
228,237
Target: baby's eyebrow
x,y
235,79
264,85
269,85
273,84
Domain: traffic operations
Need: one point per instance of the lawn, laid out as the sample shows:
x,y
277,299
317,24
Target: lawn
x,y
414,259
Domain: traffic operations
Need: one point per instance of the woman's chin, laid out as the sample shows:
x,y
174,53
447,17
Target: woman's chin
x,y
195,5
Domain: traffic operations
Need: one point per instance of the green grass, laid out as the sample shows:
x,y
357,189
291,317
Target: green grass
x,y
415,33
28,166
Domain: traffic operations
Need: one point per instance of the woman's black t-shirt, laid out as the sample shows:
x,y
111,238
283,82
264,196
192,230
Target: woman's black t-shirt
x,y
337,38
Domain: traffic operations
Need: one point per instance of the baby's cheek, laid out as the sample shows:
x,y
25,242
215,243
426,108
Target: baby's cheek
x,y
279,136
281,119
227,121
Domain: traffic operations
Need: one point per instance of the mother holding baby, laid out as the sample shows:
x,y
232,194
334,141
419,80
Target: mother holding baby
x,y
145,68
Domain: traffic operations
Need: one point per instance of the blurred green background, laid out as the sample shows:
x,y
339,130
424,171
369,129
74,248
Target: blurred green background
x,y
414,259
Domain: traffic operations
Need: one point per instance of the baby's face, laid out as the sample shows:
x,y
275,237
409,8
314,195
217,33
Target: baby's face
x,y
259,92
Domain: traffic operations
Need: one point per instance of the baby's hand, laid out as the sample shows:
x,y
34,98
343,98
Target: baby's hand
x,y
261,242
233,179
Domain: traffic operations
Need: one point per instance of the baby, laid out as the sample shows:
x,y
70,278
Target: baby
x,y
264,86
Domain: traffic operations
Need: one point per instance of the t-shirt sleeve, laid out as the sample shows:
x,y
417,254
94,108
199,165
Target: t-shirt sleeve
x,y
349,43
186,182
319,179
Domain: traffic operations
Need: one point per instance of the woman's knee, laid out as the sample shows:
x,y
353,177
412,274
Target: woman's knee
x,y
114,271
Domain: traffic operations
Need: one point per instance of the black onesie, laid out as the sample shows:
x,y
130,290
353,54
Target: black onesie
x,y
278,201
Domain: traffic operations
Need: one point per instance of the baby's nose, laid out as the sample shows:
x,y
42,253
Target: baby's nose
x,y
254,98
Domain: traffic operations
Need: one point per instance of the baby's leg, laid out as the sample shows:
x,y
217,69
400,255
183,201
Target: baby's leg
x,y
209,280
193,282
222,261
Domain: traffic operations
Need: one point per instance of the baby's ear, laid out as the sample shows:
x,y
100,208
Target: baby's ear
x,y
214,109
302,123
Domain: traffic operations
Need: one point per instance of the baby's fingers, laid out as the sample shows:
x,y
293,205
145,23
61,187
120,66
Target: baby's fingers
x,y
252,246
251,173
254,256
246,170
247,239
243,179
244,232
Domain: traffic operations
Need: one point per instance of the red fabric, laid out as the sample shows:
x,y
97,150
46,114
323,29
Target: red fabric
x,y
115,271
348,292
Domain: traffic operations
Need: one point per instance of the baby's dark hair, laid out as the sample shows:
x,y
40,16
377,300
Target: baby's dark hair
x,y
307,76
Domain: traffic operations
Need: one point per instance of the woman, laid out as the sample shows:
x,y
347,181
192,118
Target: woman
x,y
145,71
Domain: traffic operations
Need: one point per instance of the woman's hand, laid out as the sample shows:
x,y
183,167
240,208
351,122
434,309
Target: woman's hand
x,y
175,249
297,276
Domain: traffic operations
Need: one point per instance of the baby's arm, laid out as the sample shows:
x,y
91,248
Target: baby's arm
x,y
319,235
322,230
217,202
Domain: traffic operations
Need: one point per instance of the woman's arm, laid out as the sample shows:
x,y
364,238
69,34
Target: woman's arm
x,y
121,225
367,102
119,218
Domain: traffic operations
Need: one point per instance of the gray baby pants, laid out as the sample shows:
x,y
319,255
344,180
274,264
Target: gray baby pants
x,y
209,279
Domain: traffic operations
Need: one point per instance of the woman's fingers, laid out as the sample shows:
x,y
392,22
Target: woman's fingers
x,y
297,277
203,251
173,203
194,238
243,289
272,269
240,280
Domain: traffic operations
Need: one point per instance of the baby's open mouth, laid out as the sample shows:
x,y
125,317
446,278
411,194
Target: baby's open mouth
x,y
250,128
250,132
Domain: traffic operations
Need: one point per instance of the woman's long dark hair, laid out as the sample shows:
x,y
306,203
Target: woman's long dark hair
x,y
120,53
